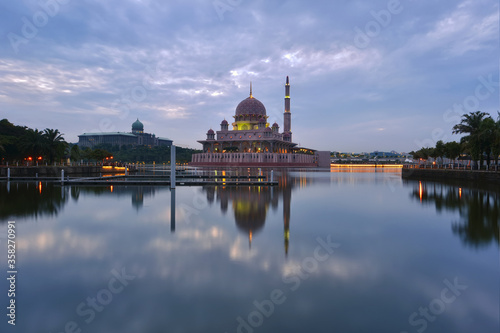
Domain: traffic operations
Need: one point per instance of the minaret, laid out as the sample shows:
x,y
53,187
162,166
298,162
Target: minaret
x,y
251,96
287,115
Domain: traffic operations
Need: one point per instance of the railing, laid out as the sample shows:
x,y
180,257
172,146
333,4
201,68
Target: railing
x,y
491,167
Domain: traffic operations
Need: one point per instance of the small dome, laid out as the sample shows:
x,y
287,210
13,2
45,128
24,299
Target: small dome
x,y
224,122
210,131
268,129
275,125
286,135
250,106
137,126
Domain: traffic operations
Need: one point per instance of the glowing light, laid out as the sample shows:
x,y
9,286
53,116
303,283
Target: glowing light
x,y
39,157
111,188
460,193
333,165
40,187
420,190
29,158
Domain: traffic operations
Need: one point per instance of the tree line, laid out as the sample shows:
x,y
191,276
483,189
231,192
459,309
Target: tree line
x,y
481,140
20,143
23,144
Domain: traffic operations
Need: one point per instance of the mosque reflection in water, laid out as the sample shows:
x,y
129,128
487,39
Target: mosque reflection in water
x,y
250,205
478,207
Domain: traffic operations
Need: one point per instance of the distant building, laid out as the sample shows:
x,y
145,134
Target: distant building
x,y
135,138
252,141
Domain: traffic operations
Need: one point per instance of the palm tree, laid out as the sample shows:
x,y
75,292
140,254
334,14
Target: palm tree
x,y
471,125
487,137
495,147
55,144
32,143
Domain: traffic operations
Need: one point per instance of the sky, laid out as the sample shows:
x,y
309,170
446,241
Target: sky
x,y
365,75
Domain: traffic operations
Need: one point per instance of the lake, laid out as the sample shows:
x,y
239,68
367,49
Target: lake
x,y
345,250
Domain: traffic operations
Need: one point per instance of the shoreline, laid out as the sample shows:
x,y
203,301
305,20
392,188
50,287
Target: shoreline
x,y
450,174
55,171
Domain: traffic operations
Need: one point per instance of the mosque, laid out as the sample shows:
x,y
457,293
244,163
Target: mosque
x,y
252,141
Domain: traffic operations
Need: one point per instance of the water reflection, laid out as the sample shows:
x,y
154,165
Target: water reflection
x,y
203,277
37,199
250,204
479,209
34,199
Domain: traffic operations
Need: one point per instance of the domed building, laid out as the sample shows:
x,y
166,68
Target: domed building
x,y
137,127
252,141
135,138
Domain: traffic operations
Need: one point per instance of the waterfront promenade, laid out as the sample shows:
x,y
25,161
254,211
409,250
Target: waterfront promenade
x,y
436,172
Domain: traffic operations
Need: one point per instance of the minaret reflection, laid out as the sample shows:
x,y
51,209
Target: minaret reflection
x,y
251,204
287,198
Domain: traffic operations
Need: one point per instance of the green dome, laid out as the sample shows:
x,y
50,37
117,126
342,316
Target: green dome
x,y
137,126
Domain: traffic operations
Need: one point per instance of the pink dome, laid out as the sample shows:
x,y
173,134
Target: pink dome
x,y
250,106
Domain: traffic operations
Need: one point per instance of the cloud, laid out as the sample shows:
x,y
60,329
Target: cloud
x,y
177,65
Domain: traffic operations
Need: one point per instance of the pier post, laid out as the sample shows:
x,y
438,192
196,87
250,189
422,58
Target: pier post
x,y
8,173
172,210
172,166
62,176
272,176
126,170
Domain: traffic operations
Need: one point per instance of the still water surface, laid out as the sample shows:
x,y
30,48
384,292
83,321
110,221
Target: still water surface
x,y
341,251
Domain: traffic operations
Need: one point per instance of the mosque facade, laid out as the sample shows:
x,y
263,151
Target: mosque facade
x,y
252,141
